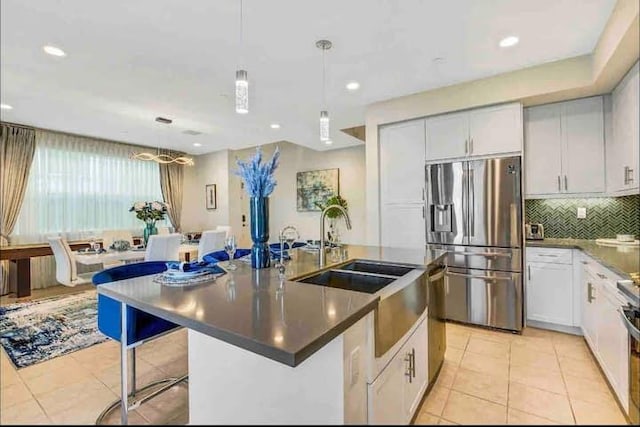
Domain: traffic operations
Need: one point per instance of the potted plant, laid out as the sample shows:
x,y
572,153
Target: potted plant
x,y
149,212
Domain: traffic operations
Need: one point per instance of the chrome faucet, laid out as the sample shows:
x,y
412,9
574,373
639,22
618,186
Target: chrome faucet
x,y
347,221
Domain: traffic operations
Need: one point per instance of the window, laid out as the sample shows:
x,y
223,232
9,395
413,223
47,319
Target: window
x,y
80,186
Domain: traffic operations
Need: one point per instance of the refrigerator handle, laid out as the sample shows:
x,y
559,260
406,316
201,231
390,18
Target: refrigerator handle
x,y
472,203
465,203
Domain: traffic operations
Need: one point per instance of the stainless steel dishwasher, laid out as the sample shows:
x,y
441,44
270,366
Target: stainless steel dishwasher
x,y
436,320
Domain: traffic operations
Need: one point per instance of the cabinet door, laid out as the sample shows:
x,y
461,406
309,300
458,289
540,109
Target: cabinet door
x,y
495,130
416,346
447,136
402,162
386,405
549,293
583,143
589,308
542,150
624,149
403,226
613,343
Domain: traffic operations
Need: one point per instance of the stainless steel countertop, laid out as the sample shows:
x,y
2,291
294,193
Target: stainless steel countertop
x,y
624,261
246,308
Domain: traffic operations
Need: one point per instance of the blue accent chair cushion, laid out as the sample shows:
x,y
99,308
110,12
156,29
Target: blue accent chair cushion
x,y
140,325
218,256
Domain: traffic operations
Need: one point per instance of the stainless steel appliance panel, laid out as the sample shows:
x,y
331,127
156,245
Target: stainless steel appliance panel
x,y
446,189
495,205
484,258
437,336
631,319
484,297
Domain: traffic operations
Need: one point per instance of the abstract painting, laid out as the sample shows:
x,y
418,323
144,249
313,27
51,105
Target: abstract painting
x,y
316,187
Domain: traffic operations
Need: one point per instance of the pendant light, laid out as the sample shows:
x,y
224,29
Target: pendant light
x,y
242,81
324,114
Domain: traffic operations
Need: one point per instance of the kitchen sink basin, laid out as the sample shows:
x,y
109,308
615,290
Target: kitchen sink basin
x,y
376,268
349,280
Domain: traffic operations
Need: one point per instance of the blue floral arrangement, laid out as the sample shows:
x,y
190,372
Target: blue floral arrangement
x,y
258,176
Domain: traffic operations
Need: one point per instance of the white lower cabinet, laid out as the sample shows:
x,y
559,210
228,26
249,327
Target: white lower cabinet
x,y
396,392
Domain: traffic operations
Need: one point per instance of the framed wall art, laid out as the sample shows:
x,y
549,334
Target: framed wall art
x,y
210,193
316,187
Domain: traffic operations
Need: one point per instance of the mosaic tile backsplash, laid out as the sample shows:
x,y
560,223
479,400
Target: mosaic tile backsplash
x,y
606,217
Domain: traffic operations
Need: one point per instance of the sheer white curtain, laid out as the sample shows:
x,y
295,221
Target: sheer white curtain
x,y
80,186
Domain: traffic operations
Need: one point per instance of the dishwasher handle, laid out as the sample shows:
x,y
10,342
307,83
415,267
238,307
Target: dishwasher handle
x,y
472,276
633,331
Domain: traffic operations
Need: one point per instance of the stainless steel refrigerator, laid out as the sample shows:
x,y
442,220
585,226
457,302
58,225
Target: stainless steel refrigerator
x,y
474,211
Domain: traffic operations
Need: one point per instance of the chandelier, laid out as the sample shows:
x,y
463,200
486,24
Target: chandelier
x,y
163,158
324,45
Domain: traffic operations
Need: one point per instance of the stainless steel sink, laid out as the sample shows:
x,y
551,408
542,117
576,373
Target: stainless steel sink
x,y
376,268
350,280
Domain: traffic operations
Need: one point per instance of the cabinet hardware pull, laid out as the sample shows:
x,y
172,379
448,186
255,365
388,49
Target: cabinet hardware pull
x,y
423,212
584,262
413,361
466,146
471,146
565,184
602,276
629,175
529,271
559,185
590,297
549,255
626,175
470,276
409,372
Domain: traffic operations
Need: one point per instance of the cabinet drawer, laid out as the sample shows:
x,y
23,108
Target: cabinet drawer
x,y
600,271
550,255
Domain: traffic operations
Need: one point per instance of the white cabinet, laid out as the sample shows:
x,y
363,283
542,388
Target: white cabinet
x,y
589,295
447,136
550,293
395,394
613,341
478,132
564,148
402,181
402,162
623,149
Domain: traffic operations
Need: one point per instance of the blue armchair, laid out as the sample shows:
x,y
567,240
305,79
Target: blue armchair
x,y
141,327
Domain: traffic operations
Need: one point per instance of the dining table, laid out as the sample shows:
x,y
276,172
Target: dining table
x,y
186,252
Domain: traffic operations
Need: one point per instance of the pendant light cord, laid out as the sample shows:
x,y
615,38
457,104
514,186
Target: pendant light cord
x,y
241,36
324,94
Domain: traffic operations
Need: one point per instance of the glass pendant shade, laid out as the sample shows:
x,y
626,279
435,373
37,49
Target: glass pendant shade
x,y
242,92
324,125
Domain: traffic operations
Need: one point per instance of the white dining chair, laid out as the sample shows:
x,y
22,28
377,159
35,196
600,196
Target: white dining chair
x,y
110,236
163,247
163,230
226,228
66,269
211,240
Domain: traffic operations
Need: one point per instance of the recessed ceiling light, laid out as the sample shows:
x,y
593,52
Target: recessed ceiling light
x,y
328,142
275,126
55,51
197,144
353,85
509,41
6,107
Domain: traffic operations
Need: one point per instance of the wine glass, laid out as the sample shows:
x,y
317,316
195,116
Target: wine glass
x,y
230,246
290,236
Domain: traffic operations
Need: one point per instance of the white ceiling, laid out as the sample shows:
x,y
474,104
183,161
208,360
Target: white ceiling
x,y
130,61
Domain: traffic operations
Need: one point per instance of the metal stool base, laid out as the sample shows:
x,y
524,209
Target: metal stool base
x,y
168,383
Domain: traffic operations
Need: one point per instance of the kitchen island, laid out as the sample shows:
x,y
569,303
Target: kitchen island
x,y
269,350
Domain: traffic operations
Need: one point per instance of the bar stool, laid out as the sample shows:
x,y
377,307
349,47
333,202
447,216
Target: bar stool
x,y
141,327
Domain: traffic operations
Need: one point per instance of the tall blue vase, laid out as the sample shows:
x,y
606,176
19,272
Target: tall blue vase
x,y
148,231
259,212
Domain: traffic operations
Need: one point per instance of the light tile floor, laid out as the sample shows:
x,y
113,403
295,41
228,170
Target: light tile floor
x,y
539,377
488,377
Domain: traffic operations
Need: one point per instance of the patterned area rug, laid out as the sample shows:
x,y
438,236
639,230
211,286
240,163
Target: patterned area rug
x,y
35,331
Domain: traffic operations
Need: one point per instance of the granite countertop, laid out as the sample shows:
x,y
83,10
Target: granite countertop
x,y
624,261
252,309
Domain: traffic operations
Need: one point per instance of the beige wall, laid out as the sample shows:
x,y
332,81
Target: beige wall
x,y
596,73
209,168
282,205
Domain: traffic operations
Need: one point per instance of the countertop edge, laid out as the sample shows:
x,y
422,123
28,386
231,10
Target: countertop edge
x,y
282,356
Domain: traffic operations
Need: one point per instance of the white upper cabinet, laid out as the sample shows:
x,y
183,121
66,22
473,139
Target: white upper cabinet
x,y
477,132
447,136
623,149
543,149
564,148
402,162
583,134
495,130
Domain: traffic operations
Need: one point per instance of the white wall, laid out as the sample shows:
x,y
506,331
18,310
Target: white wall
x,y
210,168
282,205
